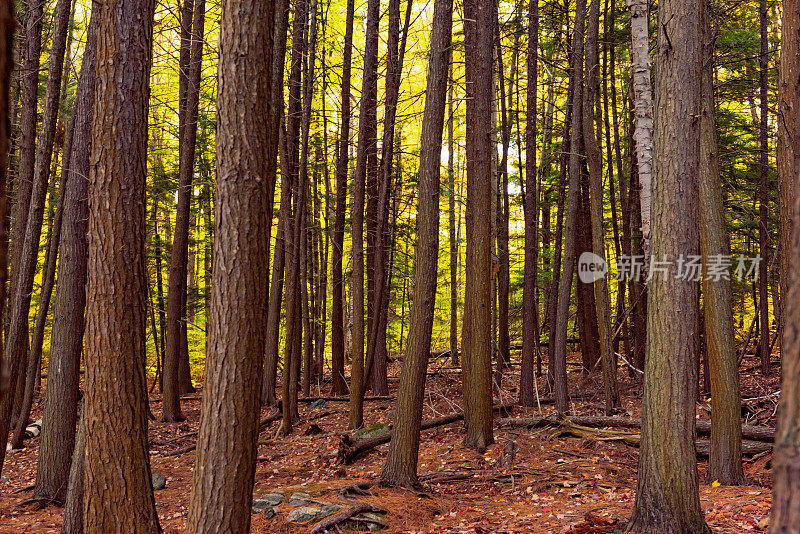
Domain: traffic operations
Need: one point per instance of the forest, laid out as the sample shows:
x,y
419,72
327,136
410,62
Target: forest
x,y
282,266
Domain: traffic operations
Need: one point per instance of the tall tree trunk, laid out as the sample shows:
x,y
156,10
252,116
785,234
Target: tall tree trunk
x,y
367,131
559,335
788,151
23,181
174,380
643,107
763,239
530,310
451,232
118,486
591,118
73,506
16,349
477,336
338,384
222,491
786,465
276,280
667,494
66,341
401,463
725,458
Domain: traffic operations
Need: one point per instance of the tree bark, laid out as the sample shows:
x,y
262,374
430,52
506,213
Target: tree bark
x,y
338,384
786,466
16,349
174,380
401,463
118,486
73,506
559,335
667,495
763,227
591,118
643,108
366,146
530,310
725,460
276,280
222,491
476,331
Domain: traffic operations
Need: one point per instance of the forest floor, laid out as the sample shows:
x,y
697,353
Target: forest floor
x,y
554,484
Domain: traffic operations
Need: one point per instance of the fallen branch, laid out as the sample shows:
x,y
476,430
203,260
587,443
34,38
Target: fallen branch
x,y
333,522
757,433
350,447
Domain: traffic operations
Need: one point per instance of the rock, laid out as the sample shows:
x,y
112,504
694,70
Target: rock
x,y
272,498
368,518
318,404
304,514
299,498
260,505
269,513
4,479
159,481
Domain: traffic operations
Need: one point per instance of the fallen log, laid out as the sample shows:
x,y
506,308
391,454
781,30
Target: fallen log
x,y
350,447
333,522
345,399
757,433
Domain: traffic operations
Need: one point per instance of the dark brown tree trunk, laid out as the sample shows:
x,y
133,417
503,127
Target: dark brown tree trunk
x,y
338,384
23,181
559,334
367,133
118,487
592,140
725,457
16,349
276,281
763,234
451,232
530,310
222,491
175,381
401,463
66,343
7,27
73,506
476,331
667,495
786,464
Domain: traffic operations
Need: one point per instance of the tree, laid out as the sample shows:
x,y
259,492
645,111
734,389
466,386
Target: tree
x,y
667,494
591,137
725,457
476,341
643,111
222,490
367,133
530,311
558,363
786,486
763,229
177,288
118,487
16,349
338,385
401,463
66,341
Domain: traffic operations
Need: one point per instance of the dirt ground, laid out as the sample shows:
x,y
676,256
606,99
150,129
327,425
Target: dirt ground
x,y
554,484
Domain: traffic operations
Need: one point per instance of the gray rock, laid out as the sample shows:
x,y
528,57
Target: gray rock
x,y
259,505
299,498
159,481
269,513
318,404
272,498
371,516
304,514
